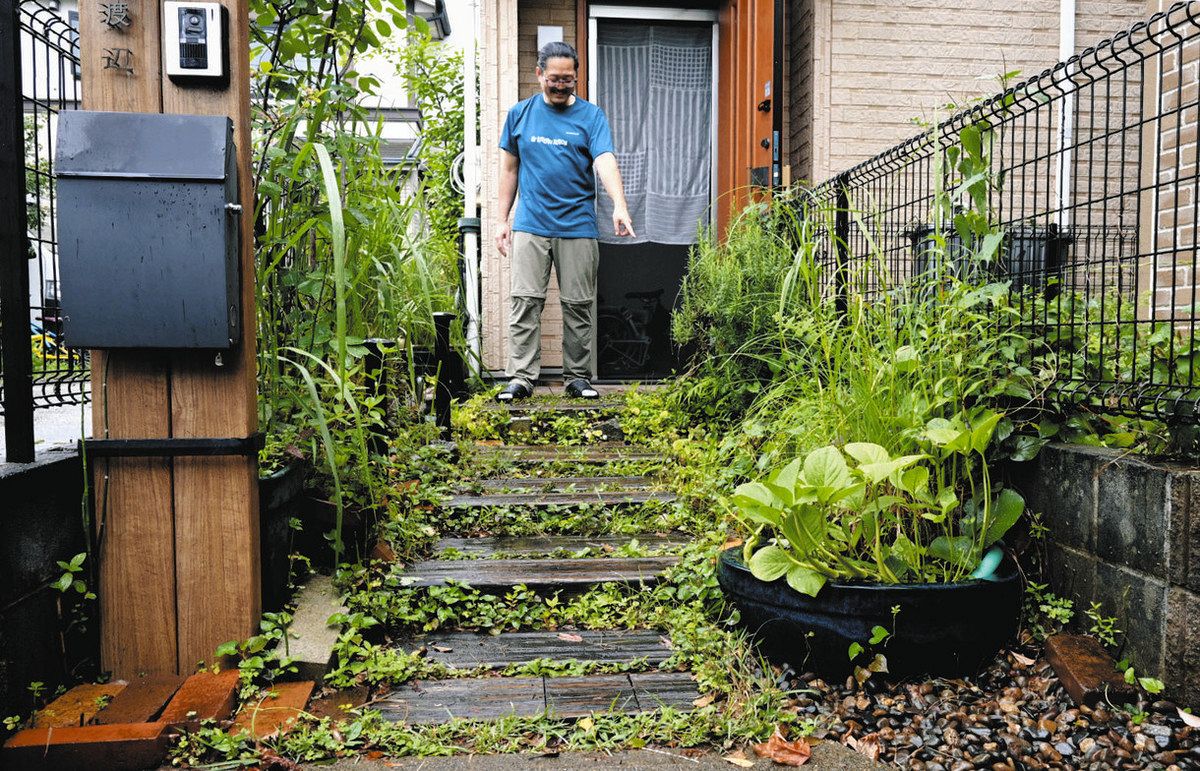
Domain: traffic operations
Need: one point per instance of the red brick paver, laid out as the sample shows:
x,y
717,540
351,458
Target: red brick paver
x,y
122,747
1086,670
77,706
203,696
275,712
142,699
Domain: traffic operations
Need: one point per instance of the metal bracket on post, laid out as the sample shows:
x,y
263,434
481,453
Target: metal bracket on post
x,y
171,447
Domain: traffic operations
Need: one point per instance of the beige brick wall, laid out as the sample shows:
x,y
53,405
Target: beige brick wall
x,y
876,65
1173,220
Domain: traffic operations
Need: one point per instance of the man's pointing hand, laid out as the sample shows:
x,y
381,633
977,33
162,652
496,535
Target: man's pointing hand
x,y
622,223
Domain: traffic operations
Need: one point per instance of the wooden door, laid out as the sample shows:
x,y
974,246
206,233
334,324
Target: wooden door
x,y
749,130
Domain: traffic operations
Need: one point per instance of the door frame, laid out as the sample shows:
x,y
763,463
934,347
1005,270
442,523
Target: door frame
x,y
661,14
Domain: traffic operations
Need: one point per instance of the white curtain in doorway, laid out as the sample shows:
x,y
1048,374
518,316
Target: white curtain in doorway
x,y
654,81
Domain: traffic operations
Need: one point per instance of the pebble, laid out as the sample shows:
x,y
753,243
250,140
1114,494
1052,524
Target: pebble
x,y
1006,718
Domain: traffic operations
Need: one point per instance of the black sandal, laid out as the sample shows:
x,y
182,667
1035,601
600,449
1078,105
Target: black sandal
x,y
514,391
582,389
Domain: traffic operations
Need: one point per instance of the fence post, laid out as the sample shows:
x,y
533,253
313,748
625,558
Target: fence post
x,y
441,356
841,245
15,346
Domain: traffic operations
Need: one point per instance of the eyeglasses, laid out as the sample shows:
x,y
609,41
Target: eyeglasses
x,y
561,81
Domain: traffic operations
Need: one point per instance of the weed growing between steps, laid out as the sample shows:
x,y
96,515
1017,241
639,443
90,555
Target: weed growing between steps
x,y
633,548
745,703
739,702
517,520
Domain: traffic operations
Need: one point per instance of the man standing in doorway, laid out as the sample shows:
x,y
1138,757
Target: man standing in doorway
x,y
550,145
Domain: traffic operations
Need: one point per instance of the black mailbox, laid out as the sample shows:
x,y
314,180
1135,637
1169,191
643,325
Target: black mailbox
x,y
148,230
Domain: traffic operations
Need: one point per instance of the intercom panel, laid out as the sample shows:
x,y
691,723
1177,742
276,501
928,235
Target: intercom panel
x,y
195,42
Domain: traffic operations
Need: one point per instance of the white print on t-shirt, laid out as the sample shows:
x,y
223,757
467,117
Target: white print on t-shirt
x,y
548,141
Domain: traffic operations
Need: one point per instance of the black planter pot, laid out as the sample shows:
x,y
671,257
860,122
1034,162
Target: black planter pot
x,y
278,502
942,629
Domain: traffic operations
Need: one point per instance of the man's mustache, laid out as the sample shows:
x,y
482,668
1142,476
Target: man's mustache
x,y
561,91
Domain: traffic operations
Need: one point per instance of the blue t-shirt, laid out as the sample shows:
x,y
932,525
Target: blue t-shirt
x,y
556,147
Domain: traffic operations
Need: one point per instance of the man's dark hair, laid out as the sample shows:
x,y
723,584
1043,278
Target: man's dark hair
x,y
557,50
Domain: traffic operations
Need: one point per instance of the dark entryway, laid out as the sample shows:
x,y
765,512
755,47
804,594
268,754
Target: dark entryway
x,y
638,287
653,74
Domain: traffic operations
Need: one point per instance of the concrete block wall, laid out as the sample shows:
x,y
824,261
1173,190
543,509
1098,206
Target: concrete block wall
x,y
41,522
1125,532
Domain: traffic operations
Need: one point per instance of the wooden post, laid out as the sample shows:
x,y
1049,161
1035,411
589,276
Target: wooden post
x,y
179,553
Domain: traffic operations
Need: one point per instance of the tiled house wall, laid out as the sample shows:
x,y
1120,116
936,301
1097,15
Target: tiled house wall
x,y
498,90
798,119
514,68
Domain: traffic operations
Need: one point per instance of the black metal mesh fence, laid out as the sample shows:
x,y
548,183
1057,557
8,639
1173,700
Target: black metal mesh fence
x,y
1091,175
49,83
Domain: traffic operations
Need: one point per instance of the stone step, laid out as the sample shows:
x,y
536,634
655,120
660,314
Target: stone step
x,y
543,500
492,698
559,484
464,650
484,548
594,453
539,575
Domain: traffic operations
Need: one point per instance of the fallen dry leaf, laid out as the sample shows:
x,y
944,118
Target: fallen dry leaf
x,y
1023,661
732,542
783,752
443,649
1189,718
586,723
868,745
568,637
738,759
704,701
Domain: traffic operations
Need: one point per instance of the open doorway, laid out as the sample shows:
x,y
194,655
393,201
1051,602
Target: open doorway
x,y
654,72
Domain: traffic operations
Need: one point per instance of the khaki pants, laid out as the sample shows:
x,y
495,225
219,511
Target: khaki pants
x,y
575,261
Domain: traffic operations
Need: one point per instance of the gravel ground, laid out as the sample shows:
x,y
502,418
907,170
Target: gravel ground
x,y
1013,715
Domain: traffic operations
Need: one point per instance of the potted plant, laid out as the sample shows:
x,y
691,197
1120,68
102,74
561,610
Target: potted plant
x,y
863,561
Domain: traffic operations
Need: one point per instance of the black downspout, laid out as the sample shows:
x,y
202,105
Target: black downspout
x,y
781,97
15,342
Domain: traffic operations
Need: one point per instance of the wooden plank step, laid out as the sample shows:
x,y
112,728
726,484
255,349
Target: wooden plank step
x,y
548,544
492,698
542,500
539,575
558,484
464,650
594,453
439,701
